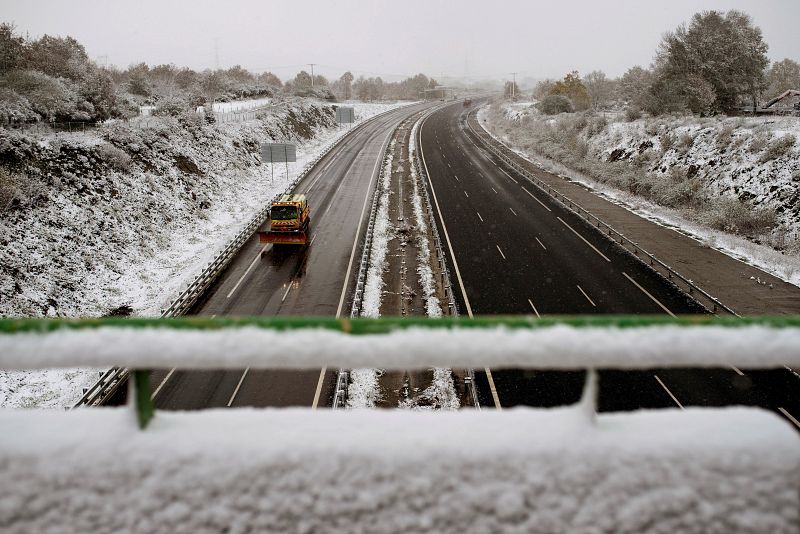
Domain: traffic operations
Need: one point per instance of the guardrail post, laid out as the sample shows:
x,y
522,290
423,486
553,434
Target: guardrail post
x,y
139,397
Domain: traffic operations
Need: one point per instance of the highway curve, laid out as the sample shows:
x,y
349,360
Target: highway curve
x,y
514,250
316,281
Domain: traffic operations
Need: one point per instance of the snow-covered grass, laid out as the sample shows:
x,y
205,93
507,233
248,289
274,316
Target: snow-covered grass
x,y
424,271
522,470
759,177
143,231
364,388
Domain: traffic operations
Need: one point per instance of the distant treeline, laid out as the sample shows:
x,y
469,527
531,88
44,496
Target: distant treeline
x,y
716,64
53,79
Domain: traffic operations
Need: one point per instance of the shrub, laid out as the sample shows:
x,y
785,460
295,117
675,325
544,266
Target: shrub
x,y
667,140
17,190
685,143
172,106
778,147
115,158
596,126
725,135
737,217
554,104
760,140
633,113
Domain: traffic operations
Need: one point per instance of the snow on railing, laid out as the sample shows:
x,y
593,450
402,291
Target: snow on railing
x,y
399,343
566,469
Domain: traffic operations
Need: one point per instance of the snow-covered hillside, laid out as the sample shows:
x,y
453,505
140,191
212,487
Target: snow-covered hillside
x,y
118,220
739,175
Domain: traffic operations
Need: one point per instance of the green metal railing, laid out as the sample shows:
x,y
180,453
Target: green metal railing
x,y
139,392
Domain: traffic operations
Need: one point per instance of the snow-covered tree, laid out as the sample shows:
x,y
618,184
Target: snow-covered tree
x,y
718,52
782,75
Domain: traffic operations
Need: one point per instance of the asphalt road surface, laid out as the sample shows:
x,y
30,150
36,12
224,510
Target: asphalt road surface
x,y
315,281
514,250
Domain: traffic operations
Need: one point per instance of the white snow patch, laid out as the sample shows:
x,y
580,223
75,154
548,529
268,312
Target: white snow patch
x,y
519,470
558,346
241,105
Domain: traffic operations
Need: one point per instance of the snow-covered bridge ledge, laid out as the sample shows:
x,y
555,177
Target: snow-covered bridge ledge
x,y
521,470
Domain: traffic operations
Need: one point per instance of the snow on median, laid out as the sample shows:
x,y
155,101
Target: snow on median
x,y
295,470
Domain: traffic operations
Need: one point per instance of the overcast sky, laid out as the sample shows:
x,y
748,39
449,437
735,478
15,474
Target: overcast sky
x,y
441,38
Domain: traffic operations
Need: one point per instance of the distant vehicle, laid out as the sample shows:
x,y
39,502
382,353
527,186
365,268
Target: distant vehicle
x,y
288,221
467,102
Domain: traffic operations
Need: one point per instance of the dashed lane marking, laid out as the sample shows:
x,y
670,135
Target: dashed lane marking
x,y
534,309
643,290
542,244
514,212
161,385
537,200
789,416
501,251
669,393
479,216
509,176
587,297
584,239
238,386
248,270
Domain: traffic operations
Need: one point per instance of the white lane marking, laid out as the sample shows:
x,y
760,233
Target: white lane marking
x,y
489,377
504,172
514,212
444,227
495,190
449,166
456,177
738,371
239,385
537,240
789,417
287,290
161,385
321,174
467,194
583,239
501,252
587,297
669,393
534,309
318,391
634,282
247,271
378,161
479,216
536,199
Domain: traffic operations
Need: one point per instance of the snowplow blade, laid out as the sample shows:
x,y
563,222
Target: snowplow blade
x,y
282,238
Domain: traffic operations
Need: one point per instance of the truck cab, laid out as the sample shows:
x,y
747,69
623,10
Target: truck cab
x,y
288,221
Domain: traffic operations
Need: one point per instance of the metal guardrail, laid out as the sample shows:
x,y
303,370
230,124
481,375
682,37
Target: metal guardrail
x,y
710,302
440,257
111,380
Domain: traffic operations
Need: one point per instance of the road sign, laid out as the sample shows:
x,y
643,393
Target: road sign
x,y
278,152
345,115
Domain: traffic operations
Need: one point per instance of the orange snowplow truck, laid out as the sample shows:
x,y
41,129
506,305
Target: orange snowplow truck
x,y
288,221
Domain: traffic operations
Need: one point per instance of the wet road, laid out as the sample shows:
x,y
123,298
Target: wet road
x,y
315,281
513,250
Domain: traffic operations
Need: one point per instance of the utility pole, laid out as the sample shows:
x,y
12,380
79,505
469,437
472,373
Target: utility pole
x,y
312,74
514,85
